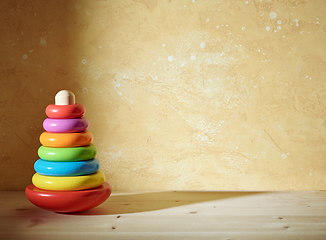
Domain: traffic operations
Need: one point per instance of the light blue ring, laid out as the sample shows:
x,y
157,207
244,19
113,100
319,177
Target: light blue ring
x,y
61,169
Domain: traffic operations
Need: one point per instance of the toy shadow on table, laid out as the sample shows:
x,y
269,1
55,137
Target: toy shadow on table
x,y
152,201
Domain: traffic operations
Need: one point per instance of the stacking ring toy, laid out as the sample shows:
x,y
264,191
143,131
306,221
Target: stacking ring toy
x,y
68,202
68,183
65,125
66,169
66,140
65,111
67,154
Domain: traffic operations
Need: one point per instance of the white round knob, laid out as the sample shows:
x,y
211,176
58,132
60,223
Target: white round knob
x,y
64,97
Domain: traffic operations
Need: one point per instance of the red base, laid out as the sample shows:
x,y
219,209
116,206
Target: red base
x,y
68,201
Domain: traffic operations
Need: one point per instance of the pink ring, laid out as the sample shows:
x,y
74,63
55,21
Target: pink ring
x,y
65,125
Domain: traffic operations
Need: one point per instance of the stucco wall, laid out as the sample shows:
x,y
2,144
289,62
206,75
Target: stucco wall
x,y
181,94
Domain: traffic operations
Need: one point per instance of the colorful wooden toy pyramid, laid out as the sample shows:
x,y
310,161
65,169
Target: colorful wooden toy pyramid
x,y
67,177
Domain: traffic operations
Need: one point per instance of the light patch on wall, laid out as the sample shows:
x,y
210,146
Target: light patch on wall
x,y
272,15
43,42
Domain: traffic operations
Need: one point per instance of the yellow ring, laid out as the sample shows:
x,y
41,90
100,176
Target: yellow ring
x,y
68,183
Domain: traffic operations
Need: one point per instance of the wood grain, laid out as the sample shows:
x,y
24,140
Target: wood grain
x,y
173,215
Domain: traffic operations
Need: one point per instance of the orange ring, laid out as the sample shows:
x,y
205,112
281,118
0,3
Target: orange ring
x,y
66,140
65,111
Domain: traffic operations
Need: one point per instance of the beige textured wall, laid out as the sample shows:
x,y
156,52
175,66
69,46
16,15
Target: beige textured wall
x,y
181,94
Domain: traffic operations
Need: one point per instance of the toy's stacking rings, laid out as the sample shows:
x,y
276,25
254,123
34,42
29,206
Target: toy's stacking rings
x,y
66,140
65,125
68,201
66,169
65,111
67,154
68,183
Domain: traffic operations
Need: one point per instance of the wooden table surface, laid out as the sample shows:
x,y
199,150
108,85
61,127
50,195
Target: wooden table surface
x,y
172,215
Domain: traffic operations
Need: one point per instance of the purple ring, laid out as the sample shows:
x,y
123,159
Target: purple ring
x,y
65,125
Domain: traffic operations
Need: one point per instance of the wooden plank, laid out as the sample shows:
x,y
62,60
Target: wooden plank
x,y
173,215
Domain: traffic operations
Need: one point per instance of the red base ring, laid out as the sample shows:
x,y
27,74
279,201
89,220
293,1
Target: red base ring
x,y
68,202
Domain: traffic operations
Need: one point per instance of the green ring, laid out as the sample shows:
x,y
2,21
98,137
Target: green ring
x,y
67,154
